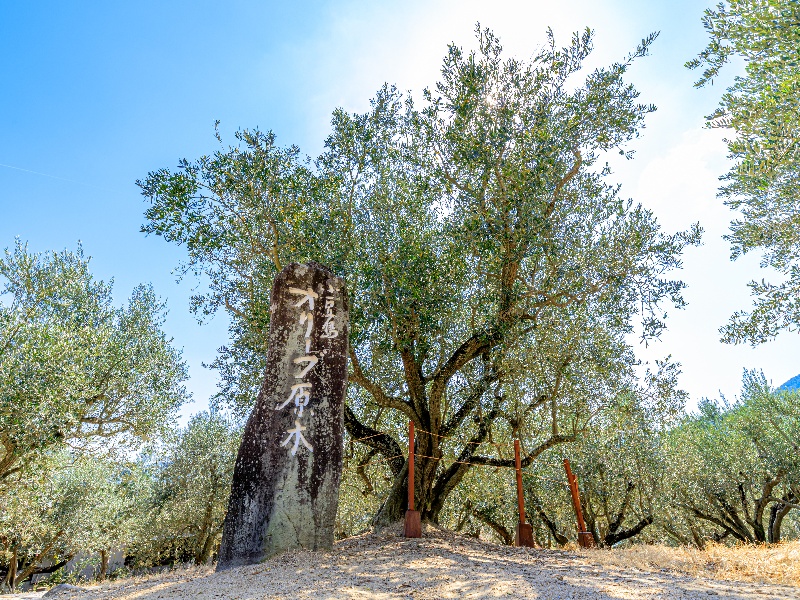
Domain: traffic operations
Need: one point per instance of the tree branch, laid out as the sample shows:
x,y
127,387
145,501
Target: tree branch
x,y
564,181
381,398
546,445
469,405
379,441
613,538
469,350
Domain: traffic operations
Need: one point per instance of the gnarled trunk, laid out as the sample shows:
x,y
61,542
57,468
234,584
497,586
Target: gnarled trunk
x,y
103,565
204,556
776,514
11,578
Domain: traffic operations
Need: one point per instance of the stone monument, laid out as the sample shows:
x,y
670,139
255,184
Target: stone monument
x,y
285,488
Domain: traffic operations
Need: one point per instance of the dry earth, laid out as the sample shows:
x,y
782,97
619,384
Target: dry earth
x,y
440,565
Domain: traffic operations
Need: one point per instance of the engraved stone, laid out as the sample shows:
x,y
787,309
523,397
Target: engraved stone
x,y
285,487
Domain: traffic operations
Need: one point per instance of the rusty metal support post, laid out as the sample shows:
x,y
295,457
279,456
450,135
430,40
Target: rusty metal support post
x,y
411,465
413,525
585,538
520,496
524,535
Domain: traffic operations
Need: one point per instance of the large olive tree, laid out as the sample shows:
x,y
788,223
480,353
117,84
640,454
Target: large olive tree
x,y
495,273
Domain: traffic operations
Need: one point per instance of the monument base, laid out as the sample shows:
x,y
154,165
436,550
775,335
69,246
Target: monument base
x,y
412,528
524,535
585,539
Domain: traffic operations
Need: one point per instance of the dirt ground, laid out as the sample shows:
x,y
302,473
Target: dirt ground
x,y
439,565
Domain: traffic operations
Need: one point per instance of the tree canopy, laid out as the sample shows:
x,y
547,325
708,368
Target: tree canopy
x,y
494,270
191,473
762,107
74,369
736,466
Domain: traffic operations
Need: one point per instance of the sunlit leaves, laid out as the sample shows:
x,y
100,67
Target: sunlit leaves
x,y
190,472
73,368
733,464
763,186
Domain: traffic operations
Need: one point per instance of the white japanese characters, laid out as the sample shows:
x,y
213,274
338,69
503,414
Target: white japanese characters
x,y
301,392
329,327
297,434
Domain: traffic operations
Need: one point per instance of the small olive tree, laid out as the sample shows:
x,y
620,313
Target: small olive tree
x,y
69,506
191,474
736,467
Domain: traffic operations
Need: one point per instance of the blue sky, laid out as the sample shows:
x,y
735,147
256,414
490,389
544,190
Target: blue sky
x,y
95,95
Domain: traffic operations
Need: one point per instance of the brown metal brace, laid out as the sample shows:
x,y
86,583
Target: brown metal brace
x,y
412,528
524,535
585,538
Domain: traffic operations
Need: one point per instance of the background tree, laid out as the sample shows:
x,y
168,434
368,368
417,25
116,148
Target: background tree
x,y
620,465
74,370
763,185
494,272
118,491
736,466
621,468
88,505
191,477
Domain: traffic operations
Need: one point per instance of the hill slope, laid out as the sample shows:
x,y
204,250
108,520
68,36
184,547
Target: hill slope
x,y
792,384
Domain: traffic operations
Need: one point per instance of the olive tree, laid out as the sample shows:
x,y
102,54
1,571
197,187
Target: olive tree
x,y
620,464
621,467
191,476
736,467
75,370
67,507
761,108
495,271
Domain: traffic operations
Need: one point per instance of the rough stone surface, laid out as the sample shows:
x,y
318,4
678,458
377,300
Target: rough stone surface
x,y
285,487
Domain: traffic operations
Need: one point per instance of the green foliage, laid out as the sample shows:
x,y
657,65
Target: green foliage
x,y
737,466
242,215
620,465
166,507
191,478
494,271
68,507
74,369
763,109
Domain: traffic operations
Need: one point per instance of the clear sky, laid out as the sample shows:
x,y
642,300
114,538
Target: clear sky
x,y
96,94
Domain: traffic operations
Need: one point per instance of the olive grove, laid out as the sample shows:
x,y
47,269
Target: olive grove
x,y
498,282
80,380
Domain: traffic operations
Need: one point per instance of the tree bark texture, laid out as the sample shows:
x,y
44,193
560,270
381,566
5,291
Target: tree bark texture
x,y
103,565
285,488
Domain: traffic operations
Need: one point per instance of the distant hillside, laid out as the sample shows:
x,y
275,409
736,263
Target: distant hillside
x,y
792,384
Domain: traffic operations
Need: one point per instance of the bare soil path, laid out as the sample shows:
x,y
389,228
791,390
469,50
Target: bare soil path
x,y
440,565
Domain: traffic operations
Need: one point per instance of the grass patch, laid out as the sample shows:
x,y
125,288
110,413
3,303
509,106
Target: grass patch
x,y
776,563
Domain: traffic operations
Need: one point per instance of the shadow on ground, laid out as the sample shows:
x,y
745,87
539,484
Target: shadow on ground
x,y
438,566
